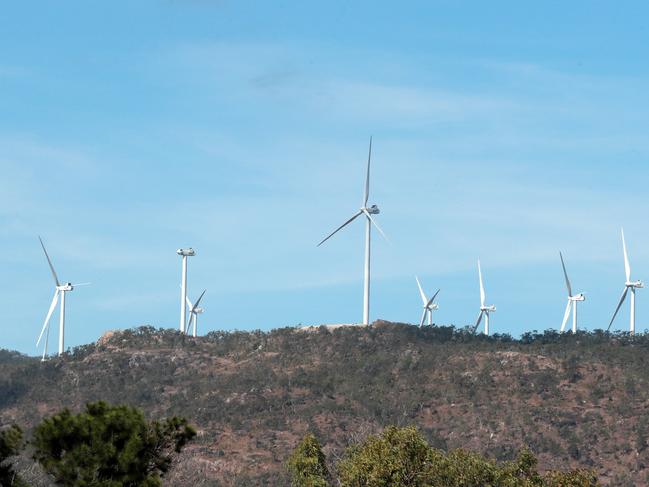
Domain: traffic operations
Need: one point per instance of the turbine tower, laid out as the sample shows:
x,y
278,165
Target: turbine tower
x,y
484,309
59,293
194,311
572,301
367,211
429,305
628,285
184,253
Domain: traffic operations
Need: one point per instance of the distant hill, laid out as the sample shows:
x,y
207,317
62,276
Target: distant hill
x,y
576,401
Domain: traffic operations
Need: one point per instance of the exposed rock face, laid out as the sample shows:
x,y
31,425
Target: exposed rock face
x,y
576,401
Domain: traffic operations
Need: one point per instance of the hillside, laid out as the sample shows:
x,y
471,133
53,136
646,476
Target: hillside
x,y
576,401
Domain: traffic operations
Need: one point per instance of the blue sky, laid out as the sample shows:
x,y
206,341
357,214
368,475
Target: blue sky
x,y
502,130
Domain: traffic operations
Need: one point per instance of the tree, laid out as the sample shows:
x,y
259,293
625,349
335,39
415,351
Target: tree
x,y
401,457
307,465
397,457
11,442
108,446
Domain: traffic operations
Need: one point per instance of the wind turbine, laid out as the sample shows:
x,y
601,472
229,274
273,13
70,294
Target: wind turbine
x,y
184,253
572,301
59,293
429,305
194,311
629,284
369,221
484,309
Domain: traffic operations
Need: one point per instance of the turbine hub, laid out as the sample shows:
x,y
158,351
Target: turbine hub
x,y
65,287
372,210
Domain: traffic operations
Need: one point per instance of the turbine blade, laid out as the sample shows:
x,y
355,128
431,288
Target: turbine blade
x,y
367,214
424,299
423,318
566,316
49,261
366,195
627,267
433,298
82,284
199,298
626,290
189,303
341,227
55,300
189,323
565,274
477,323
482,293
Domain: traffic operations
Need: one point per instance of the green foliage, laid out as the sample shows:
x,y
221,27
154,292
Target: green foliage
x,y
306,465
398,457
401,457
108,446
11,442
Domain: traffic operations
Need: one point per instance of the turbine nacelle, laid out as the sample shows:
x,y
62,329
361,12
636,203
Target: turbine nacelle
x,y
578,297
186,252
68,286
635,284
488,309
372,210
432,307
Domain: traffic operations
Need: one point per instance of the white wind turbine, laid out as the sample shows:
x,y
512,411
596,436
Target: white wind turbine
x,y
184,253
484,309
429,305
572,301
59,293
194,311
629,284
369,221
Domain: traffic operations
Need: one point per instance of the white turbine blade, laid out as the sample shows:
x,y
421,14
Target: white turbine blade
x,y
565,274
366,195
477,323
627,267
433,298
82,284
189,303
367,214
482,293
566,316
423,318
49,261
626,290
47,340
341,227
424,299
55,300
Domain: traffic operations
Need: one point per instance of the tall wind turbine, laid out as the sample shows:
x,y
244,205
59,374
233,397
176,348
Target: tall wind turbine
x,y
367,211
194,311
59,293
484,309
572,301
184,253
628,285
429,305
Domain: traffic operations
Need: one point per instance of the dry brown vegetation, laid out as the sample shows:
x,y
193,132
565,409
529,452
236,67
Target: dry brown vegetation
x,y
575,401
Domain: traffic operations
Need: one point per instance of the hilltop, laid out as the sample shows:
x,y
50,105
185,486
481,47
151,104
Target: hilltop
x,y
576,401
